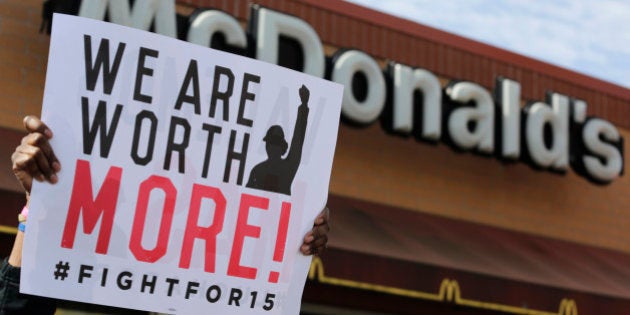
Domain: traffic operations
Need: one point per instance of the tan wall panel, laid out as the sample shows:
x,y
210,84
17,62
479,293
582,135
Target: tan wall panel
x,y
374,166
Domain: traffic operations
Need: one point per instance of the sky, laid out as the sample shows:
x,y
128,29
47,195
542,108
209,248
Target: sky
x,y
588,36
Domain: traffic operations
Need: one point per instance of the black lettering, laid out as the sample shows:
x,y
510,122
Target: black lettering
x,y
235,296
104,277
135,156
191,288
213,288
84,272
269,302
143,71
171,283
212,130
254,294
246,96
192,76
102,60
126,283
99,125
148,283
233,155
172,146
224,96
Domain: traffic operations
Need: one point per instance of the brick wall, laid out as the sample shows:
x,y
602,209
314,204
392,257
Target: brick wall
x,y
23,57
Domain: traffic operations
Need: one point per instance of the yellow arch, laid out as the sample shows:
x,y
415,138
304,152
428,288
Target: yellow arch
x,y
449,292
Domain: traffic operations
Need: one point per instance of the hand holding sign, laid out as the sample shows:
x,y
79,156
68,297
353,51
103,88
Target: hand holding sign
x,y
34,158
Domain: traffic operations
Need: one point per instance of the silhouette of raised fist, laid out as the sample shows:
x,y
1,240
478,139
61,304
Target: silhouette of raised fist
x,y
304,94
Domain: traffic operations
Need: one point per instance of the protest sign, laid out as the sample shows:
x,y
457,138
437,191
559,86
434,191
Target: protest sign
x,y
189,176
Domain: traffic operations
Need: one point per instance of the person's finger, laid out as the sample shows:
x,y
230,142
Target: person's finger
x,y
305,249
323,217
316,240
320,244
34,124
25,161
320,239
316,232
39,140
41,163
308,238
322,229
42,142
319,220
21,169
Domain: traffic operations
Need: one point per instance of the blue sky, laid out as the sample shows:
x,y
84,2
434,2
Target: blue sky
x,y
588,36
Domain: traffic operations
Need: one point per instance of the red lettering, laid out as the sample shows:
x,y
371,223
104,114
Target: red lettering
x,y
209,234
82,202
135,242
281,240
243,230
283,227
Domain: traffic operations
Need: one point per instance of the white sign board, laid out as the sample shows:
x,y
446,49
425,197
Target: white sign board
x,y
189,176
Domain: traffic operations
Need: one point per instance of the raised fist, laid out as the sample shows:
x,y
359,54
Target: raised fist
x,y
304,94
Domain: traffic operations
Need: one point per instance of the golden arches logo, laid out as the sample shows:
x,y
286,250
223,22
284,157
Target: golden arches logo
x,y
568,307
316,270
449,291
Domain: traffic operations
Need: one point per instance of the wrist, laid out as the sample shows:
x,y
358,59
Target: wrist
x,y
22,217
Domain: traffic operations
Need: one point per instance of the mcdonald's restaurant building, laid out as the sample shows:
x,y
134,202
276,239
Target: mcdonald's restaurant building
x,y
467,179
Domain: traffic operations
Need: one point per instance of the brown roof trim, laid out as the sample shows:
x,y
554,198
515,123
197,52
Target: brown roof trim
x,y
425,239
476,47
377,283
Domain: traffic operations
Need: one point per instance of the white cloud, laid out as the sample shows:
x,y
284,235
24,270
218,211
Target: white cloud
x,y
588,36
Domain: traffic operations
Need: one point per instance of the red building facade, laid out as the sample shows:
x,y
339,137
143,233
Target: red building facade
x,y
421,225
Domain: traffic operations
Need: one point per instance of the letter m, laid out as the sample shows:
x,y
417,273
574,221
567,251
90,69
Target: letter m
x,y
82,203
140,17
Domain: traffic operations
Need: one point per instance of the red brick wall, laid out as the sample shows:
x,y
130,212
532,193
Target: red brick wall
x,y
23,57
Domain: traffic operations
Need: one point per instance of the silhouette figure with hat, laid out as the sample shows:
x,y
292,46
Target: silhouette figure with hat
x,y
276,173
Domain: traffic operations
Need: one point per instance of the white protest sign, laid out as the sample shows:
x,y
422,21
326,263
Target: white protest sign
x,y
189,176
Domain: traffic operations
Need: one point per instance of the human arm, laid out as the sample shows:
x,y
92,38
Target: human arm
x,y
299,130
33,158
